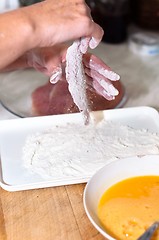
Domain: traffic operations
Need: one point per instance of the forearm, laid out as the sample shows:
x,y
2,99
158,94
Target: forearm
x,y
20,63
44,58
15,40
45,24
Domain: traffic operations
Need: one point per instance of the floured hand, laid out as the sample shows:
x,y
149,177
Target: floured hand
x,y
99,76
51,62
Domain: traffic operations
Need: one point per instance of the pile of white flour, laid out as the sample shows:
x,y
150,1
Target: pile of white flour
x,y
76,150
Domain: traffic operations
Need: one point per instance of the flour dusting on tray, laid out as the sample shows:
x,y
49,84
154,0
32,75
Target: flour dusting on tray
x,y
74,150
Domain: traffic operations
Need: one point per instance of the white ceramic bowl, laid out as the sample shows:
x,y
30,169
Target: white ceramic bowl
x,y
111,174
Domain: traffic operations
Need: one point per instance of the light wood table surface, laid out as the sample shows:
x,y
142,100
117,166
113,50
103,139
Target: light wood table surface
x,y
45,214
57,213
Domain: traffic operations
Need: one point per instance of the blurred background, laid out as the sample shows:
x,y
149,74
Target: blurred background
x,y
117,17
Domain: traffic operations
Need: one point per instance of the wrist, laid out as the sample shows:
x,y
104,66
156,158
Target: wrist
x,y
28,29
38,27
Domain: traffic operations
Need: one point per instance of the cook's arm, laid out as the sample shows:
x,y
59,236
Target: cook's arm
x,y
45,24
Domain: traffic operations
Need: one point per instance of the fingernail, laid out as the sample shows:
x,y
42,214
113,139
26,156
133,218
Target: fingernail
x,y
113,90
109,74
110,89
56,75
93,43
113,75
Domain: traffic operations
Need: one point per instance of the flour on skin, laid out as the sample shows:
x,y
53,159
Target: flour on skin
x,y
75,151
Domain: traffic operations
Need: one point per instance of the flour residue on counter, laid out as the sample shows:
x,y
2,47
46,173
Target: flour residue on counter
x,y
75,151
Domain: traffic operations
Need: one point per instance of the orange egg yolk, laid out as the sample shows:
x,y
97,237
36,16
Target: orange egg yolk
x,y
129,207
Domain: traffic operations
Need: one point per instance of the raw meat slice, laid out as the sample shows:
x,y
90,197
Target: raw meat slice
x,y
52,99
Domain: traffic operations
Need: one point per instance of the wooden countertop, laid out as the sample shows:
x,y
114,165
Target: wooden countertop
x,y
57,213
45,214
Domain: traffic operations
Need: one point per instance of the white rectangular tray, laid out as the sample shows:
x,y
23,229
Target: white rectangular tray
x,y
13,133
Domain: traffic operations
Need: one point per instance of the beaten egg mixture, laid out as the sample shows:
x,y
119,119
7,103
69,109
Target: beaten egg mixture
x,y
129,207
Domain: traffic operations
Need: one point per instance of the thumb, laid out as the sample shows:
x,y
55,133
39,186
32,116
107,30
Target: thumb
x,y
56,74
